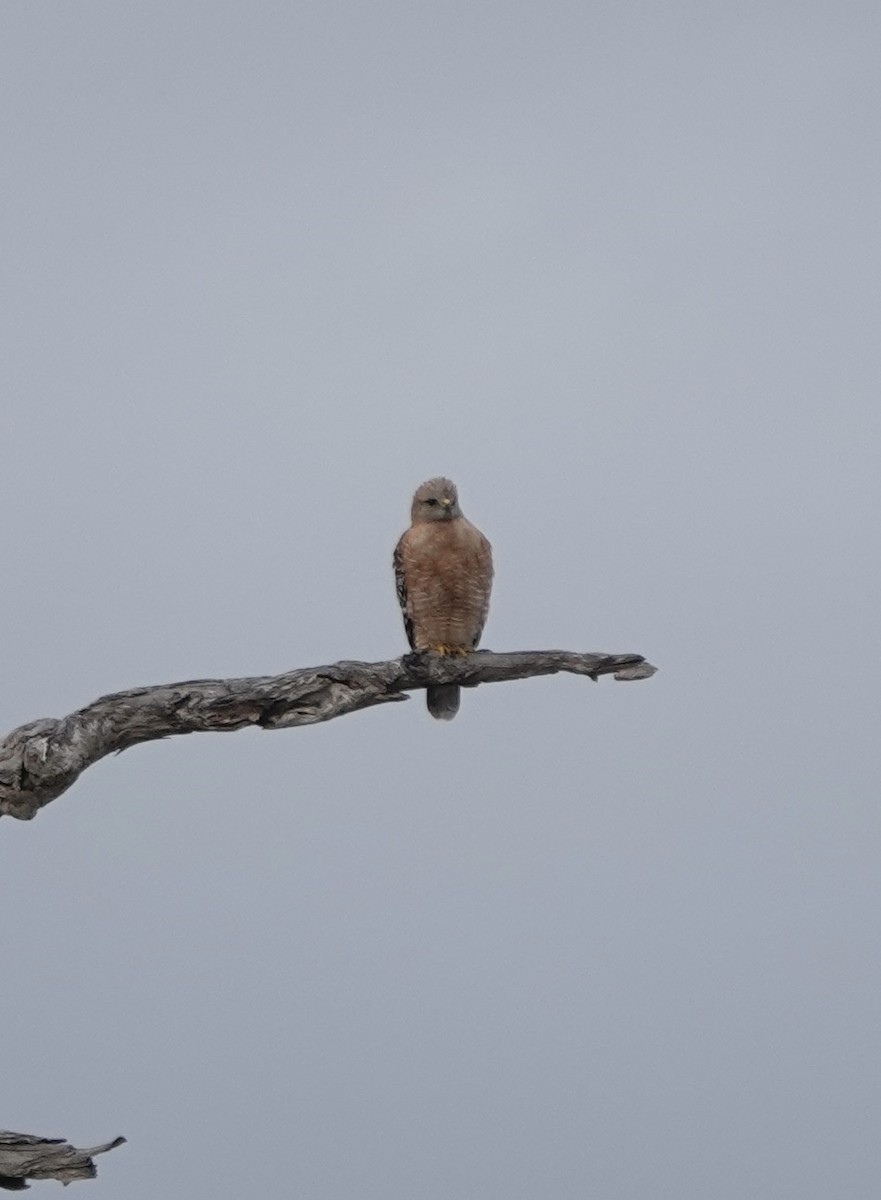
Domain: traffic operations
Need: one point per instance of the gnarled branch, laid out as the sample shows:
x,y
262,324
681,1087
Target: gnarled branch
x,y
40,760
23,1157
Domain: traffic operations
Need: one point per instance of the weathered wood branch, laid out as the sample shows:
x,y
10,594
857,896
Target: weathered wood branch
x,y
23,1157
40,760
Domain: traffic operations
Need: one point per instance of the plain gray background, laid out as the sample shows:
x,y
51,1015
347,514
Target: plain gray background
x,y
613,267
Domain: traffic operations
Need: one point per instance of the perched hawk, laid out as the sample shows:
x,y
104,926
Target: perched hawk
x,y
443,572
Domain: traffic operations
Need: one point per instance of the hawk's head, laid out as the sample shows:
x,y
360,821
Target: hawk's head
x,y
436,500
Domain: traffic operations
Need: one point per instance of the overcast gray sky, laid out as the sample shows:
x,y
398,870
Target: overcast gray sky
x,y
614,268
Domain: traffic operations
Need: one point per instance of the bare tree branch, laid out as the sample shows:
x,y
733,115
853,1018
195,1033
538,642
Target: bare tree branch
x,y
40,760
24,1157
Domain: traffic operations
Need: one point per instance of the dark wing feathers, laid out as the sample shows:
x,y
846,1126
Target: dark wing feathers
x,y
401,588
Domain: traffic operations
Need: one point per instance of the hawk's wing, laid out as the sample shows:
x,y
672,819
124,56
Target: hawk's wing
x,y
484,571
401,588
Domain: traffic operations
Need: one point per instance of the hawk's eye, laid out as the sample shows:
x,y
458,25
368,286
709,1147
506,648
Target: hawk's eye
x,y
431,500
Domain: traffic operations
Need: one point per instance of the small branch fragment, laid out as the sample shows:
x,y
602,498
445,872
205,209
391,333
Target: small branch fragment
x,y
23,1157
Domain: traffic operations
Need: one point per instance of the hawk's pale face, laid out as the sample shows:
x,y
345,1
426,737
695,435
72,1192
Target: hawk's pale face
x,y
436,500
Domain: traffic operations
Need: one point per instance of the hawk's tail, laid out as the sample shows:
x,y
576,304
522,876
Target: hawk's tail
x,y
443,701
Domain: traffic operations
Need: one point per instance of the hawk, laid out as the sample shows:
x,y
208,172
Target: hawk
x,y
443,573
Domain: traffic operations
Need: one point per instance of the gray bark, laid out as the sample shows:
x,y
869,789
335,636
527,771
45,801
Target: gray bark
x,y
23,1157
39,761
